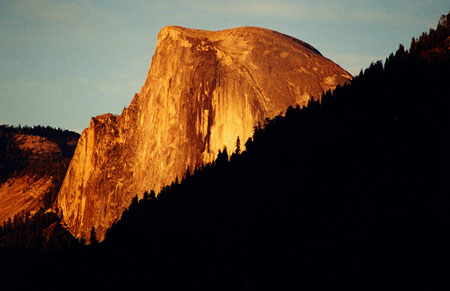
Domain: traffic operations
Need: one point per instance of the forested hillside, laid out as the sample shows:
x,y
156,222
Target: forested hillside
x,y
33,163
351,192
17,161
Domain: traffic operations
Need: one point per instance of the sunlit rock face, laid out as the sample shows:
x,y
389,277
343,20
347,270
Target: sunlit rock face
x,y
203,90
21,195
25,191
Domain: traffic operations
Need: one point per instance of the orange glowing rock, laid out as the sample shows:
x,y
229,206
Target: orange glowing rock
x,y
203,90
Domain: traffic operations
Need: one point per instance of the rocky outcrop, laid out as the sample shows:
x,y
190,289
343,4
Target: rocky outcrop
x,y
23,195
203,90
31,171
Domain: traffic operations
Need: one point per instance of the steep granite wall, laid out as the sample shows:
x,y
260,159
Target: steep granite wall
x,y
203,90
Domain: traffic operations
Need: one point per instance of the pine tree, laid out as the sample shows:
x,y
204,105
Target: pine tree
x,y
152,195
238,146
94,240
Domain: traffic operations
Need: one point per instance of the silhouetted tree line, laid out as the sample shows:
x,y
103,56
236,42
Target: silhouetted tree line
x,y
351,191
65,139
15,161
54,134
41,231
11,158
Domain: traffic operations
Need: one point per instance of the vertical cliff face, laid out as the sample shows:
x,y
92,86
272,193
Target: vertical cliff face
x,y
203,90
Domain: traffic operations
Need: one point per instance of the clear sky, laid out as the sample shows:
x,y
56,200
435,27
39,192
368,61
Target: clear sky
x,y
62,62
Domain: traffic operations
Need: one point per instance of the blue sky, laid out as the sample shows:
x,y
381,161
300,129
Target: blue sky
x,y
62,62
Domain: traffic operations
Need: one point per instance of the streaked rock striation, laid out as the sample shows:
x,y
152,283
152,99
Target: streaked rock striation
x,y
203,90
